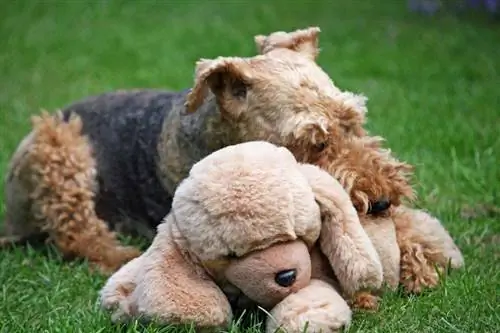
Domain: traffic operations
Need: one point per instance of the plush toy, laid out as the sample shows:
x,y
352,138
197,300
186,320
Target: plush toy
x,y
250,225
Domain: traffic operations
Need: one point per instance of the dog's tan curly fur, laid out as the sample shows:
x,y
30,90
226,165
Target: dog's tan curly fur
x,y
369,172
63,187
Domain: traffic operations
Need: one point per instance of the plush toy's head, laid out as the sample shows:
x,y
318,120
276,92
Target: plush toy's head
x,y
240,203
242,224
244,198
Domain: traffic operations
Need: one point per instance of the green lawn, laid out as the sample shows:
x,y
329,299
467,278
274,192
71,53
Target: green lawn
x,y
433,85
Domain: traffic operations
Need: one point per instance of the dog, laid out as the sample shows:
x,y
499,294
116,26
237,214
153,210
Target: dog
x,y
110,163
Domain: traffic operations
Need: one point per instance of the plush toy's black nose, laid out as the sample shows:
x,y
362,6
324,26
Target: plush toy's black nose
x,y
286,278
379,206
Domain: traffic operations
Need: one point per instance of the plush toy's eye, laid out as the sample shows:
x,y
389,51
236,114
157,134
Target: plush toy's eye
x,y
378,207
286,278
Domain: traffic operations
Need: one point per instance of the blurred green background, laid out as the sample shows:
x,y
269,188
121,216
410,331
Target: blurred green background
x,y
433,84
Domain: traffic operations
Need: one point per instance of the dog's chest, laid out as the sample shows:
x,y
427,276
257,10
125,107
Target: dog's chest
x,y
124,129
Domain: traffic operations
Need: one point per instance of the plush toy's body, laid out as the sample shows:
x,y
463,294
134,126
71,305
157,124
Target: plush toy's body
x,y
250,222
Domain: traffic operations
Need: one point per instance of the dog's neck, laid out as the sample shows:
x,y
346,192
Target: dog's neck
x,y
187,138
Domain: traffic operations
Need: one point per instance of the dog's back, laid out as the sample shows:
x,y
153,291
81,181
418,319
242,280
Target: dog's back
x,y
123,128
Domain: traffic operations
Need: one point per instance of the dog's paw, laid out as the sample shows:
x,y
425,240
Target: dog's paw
x,y
418,272
365,300
111,263
417,282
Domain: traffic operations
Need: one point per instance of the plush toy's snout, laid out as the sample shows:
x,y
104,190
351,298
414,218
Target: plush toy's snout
x,y
268,276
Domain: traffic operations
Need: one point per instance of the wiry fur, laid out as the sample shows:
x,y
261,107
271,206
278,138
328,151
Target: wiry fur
x,y
426,248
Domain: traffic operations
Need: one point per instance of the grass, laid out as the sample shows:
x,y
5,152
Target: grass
x,y
433,88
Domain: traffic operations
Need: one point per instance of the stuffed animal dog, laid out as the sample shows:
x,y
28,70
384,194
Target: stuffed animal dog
x,y
250,221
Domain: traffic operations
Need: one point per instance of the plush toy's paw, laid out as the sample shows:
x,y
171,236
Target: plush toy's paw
x,y
119,304
115,296
316,308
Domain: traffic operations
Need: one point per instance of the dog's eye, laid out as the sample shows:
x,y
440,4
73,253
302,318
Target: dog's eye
x,y
239,89
319,147
379,206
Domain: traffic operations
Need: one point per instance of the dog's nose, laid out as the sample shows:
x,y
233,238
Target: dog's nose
x,y
286,278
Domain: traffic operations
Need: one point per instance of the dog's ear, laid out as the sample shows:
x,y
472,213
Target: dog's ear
x,y
342,238
304,41
165,286
224,76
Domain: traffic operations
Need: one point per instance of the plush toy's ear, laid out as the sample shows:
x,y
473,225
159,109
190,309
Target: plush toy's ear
x,y
382,233
303,41
164,286
226,77
342,239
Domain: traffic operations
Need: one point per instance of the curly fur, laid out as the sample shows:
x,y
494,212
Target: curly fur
x,y
63,183
369,173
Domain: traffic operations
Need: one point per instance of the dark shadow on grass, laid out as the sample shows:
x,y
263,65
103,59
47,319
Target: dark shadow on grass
x,y
244,321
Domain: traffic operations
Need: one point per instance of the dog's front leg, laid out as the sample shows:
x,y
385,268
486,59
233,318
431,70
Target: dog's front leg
x,y
426,249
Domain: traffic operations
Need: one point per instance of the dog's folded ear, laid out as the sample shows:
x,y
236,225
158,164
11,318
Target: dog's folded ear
x,y
303,41
164,286
343,240
227,77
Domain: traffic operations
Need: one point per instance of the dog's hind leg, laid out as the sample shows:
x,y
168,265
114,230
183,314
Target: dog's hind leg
x,y
18,225
51,188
